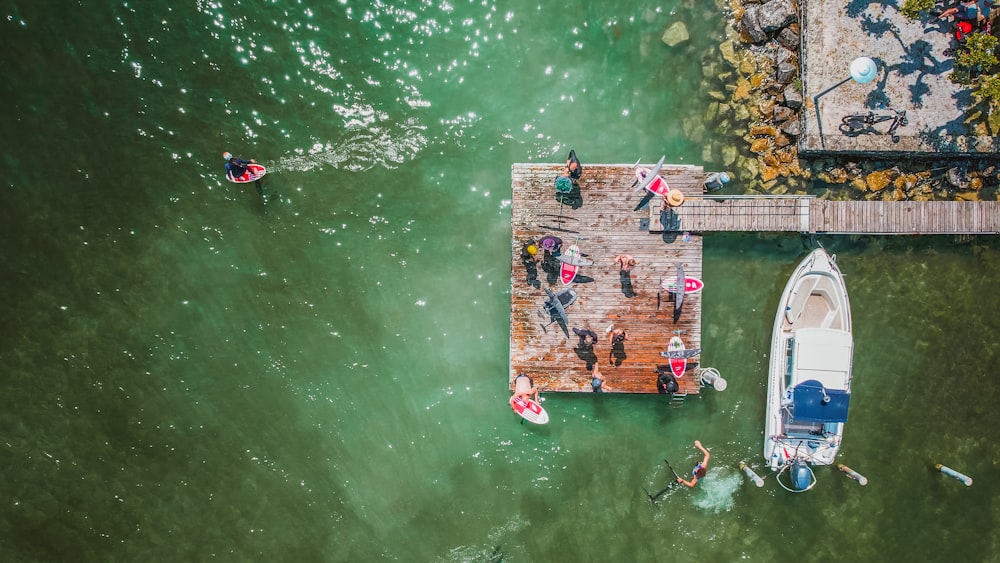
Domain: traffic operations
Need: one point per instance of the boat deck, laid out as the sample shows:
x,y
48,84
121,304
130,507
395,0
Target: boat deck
x,y
605,217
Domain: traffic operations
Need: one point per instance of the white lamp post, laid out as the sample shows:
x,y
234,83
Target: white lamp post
x,y
862,70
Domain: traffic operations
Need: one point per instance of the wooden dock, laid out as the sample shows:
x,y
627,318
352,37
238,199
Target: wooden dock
x,y
807,214
604,217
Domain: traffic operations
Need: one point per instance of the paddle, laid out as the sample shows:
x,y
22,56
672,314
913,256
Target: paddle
x,y
665,489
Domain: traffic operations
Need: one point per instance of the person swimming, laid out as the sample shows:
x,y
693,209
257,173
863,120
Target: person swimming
x,y
699,470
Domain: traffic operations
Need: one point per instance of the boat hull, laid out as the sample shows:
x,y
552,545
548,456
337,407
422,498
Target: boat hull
x,y
809,373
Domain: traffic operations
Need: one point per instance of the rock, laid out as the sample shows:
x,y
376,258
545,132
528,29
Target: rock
x,y
785,156
958,177
792,127
712,111
793,97
729,154
717,95
751,24
766,106
760,145
675,34
770,160
967,196
748,63
763,130
788,38
742,90
741,113
757,79
776,14
782,113
879,179
768,173
728,50
706,153
786,72
782,140
786,56
976,183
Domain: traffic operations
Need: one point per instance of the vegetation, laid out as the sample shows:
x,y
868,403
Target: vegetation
x,y
912,9
977,65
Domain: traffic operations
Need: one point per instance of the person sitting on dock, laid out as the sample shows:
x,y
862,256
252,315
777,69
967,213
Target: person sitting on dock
x,y
573,167
524,387
666,383
699,470
598,382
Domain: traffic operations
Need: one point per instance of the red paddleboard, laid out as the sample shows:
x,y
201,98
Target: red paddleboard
x,y
691,285
568,269
254,172
658,186
530,410
677,365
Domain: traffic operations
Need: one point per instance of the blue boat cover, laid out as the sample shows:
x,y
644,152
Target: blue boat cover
x,y
808,404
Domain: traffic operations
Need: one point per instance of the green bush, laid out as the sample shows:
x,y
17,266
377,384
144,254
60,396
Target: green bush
x,y
912,8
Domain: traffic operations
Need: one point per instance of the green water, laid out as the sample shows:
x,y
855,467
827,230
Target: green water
x,y
189,374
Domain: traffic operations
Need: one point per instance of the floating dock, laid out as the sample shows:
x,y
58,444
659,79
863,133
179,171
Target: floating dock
x,y
605,217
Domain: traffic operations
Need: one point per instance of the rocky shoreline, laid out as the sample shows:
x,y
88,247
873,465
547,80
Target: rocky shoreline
x,y
756,94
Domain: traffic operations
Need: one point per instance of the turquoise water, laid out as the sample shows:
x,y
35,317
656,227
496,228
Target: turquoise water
x,y
190,374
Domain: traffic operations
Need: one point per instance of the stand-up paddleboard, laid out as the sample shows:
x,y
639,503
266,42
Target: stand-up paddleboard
x,y
653,182
530,410
254,172
678,365
691,285
571,260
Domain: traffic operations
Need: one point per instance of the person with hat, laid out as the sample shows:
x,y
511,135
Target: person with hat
x,y
716,181
674,198
550,243
236,169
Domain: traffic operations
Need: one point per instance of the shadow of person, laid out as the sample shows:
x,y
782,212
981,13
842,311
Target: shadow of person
x,y
626,281
572,198
531,273
617,355
550,265
644,201
586,353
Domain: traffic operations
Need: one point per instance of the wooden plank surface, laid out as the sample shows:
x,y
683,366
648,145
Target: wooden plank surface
x,y
798,214
604,217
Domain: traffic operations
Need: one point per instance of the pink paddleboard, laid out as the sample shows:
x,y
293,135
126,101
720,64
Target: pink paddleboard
x,y
691,285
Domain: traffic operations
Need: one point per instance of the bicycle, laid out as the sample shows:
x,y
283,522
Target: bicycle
x,y
861,124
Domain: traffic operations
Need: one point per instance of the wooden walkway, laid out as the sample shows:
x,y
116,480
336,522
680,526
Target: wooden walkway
x,y
604,217
807,214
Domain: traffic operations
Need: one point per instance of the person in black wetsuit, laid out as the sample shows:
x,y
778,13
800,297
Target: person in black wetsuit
x,y
237,168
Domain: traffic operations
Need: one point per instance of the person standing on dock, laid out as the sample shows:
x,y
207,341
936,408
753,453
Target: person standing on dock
x,y
699,470
625,262
617,339
585,348
573,167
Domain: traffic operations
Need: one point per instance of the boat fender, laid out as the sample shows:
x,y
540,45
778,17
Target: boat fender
x,y
751,475
954,474
861,479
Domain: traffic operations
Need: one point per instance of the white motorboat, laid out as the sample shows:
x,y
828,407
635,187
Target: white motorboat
x,y
809,379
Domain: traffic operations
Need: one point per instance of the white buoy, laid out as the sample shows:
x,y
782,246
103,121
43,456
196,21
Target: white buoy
x,y
863,70
954,474
711,376
751,475
861,479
